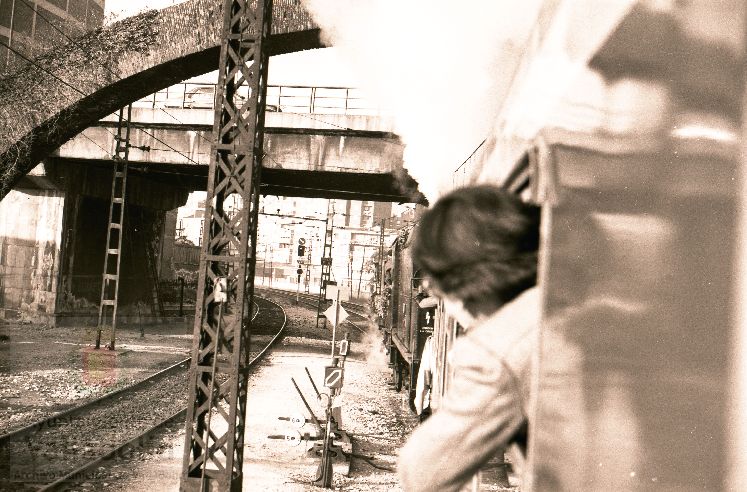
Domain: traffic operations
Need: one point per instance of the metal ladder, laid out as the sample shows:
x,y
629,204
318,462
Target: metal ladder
x,y
113,248
379,270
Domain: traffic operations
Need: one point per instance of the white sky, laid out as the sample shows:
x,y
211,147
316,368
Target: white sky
x,y
442,68
126,8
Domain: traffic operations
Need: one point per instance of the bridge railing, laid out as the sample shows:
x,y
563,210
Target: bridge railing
x,y
280,98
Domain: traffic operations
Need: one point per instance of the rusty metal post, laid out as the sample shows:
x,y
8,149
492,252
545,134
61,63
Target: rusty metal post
x,y
218,377
181,296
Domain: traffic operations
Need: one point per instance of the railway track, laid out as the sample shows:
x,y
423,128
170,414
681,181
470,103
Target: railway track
x,y
357,312
71,447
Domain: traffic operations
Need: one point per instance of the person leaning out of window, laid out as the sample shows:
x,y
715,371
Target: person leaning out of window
x,y
477,247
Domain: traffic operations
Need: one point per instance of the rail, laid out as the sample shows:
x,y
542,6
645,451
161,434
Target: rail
x,y
280,98
355,310
50,477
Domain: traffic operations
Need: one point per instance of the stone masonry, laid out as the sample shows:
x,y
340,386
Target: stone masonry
x,y
110,67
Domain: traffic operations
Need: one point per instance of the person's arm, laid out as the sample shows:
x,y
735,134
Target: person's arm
x,y
478,416
420,388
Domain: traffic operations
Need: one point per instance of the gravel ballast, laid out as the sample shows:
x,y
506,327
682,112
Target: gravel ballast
x,y
42,367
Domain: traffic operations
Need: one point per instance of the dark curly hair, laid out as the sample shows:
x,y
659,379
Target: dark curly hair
x,y
479,245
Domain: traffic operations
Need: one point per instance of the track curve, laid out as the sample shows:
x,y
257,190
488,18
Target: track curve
x,y
69,447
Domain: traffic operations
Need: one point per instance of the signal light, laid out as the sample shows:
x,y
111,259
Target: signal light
x,y
301,250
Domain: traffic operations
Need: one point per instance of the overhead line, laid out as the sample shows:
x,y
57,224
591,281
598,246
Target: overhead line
x,y
393,197
169,146
33,8
95,143
105,67
322,121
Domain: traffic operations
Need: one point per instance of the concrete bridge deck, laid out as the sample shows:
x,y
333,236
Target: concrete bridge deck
x,y
316,155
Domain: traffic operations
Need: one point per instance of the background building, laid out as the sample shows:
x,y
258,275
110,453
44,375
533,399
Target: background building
x,y
27,26
284,221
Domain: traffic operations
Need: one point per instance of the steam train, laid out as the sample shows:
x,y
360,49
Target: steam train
x,y
638,164
404,322
408,315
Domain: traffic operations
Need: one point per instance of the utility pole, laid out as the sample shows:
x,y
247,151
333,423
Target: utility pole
x,y
360,273
219,372
264,265
299,270
379,272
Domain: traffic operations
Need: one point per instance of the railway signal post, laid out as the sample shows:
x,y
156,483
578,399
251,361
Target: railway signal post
x,y
299,271
335,313
333,379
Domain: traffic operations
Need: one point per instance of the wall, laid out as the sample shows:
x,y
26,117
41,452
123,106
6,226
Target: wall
x,y
165,271
87,230
30,237
27,27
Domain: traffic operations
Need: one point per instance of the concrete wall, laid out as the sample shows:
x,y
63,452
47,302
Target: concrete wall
x,y
165,271
30,238
52,236
86,229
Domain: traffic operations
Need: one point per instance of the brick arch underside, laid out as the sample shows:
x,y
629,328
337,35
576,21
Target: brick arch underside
x,y
112,67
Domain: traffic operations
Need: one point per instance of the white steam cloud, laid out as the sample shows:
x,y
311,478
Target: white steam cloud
x,y
442,68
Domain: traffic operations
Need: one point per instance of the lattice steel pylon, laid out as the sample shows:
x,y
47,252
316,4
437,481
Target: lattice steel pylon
x,y
325,277
307,279
114,232
380,267
218,377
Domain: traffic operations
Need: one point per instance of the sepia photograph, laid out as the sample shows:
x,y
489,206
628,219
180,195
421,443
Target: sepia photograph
x,y
373,245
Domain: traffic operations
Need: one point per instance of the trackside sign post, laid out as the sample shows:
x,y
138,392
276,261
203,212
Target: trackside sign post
x,y
336,314
333,377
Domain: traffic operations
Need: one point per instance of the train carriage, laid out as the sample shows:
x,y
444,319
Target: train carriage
x,y
637,162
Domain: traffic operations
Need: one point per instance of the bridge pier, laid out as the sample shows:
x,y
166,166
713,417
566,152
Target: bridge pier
x,y
30,239
52,236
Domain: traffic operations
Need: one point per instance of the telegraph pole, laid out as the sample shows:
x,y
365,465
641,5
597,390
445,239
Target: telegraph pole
x,y
329,228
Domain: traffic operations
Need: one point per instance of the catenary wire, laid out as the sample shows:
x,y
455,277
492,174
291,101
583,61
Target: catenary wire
x,y
95,143
33,63
119,78
105,67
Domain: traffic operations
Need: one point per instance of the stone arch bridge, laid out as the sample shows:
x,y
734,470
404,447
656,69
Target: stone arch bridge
x,y
68,89
46,232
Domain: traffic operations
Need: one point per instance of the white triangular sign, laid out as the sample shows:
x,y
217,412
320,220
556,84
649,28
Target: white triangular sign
x,y
343,315
330,314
